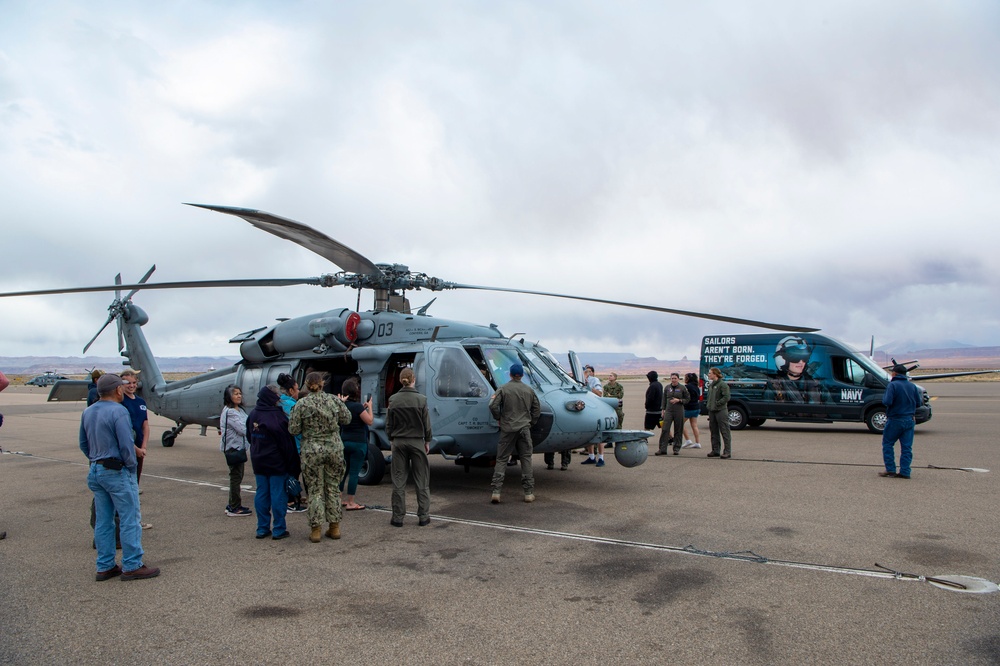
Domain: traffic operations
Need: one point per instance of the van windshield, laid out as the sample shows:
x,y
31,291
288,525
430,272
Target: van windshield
x,y
871,366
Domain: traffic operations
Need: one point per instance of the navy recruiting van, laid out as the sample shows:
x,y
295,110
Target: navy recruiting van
x,y
800,377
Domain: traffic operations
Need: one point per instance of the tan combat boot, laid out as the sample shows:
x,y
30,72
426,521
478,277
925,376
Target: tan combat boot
x,y
333,532
316,534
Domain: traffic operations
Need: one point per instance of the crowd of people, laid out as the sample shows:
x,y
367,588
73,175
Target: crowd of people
x,y
323,438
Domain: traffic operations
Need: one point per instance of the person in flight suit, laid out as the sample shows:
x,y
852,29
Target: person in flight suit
x,y
408,426
675,396
516,407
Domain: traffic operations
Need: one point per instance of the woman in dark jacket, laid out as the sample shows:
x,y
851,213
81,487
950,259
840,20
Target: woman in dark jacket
x,y
355,437
274,458
692,410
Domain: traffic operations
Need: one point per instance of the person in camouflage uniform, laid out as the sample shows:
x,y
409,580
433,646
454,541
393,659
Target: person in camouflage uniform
x,y
615,390
318,417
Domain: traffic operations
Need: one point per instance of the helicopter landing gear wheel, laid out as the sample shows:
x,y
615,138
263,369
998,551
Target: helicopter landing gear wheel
x,y
170,435
373,468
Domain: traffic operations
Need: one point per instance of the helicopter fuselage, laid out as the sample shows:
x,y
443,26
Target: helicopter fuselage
x,y
458,366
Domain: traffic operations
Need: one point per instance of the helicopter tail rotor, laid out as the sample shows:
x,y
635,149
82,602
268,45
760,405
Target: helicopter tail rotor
x,y
117,310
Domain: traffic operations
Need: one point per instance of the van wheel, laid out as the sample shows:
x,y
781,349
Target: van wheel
x,y
373,468
737,418
875,420
756,422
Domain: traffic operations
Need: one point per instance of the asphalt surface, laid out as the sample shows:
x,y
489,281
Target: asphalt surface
x,y
516,583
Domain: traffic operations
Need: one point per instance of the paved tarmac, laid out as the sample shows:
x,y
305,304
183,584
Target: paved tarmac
x,y
519,583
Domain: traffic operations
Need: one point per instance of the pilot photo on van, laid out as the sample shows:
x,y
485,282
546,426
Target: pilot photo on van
x,y
793,383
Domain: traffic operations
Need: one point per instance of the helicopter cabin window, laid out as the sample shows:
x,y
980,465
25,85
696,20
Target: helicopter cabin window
x,y
456,376
250,385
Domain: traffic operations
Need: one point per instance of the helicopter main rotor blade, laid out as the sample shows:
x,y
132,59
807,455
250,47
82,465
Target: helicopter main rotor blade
x,y
654,308
190,284
300,234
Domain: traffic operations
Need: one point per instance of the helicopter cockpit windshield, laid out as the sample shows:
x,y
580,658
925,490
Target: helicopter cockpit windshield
x,y
538,369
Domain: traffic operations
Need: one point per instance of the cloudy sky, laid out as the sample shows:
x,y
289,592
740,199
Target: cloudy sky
x,y
828,164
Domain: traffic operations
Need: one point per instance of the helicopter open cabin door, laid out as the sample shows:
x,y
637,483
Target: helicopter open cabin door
x,y
458,398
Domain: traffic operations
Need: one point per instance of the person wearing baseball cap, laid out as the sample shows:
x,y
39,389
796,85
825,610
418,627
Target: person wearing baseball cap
x,y
106,439
515,406
901,400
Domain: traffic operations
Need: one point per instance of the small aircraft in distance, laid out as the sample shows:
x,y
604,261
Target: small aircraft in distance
x,y
458,365
48,379
913,364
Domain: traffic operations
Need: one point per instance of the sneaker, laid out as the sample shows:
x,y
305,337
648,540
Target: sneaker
x,y
600,462
495,498
241,511
279,537
589,461
687,444
262,535
529,499
297,508
695,445
146,526
550,466
109,574
563,468
141,573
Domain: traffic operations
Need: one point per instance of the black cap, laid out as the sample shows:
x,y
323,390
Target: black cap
x,y
899,369
652,376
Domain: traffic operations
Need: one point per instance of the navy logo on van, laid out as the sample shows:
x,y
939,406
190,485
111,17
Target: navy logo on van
x,y
852,395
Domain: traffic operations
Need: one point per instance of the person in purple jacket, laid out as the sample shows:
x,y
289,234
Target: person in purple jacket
x,y
274,458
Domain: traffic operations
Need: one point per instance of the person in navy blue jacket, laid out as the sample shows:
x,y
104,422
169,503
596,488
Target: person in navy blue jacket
x,y
274,458
901,400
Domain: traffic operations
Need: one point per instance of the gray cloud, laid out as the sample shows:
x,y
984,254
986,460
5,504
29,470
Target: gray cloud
x,y
832,163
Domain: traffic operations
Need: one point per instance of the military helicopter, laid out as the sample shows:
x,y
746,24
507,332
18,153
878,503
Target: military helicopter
x,y
457,365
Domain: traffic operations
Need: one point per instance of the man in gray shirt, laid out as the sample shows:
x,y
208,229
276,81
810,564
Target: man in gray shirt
x,y
106,439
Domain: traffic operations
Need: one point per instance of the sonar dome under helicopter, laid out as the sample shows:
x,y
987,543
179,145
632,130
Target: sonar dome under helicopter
x,y
457,365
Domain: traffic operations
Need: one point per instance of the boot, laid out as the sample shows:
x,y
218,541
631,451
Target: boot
x,y
315,535
333,532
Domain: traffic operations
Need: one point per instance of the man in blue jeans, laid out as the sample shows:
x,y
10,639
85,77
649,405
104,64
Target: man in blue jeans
x,y
901,400
106,439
